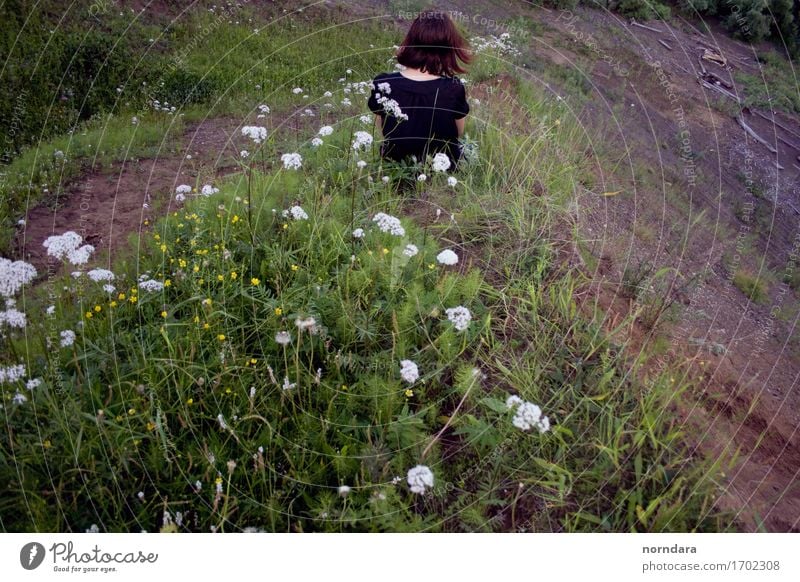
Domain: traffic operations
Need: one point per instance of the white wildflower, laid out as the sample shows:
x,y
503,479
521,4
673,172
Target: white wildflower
x,y
459,317
222,424
513,401
388,223
410,250
67,338
529,416
288,385
419,479
385,179
283,338
343,490
296,212
51,310
306,324
183,189
244,154
33,383
19,398
208,190
447,257
325,130
292,161
297,90
441,163
358,233
263,109
12,374
151,285
422,178
409,371
108,288
451,181
98,275
363,139
365,119
316,142
13,318
361,164
255,132
385,88
67,246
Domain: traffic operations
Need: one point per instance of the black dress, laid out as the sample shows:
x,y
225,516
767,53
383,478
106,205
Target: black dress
x,y
418,117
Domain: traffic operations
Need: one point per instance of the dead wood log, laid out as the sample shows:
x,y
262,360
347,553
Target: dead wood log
x,y
778,123
650,28
719,89
788,143
665,44
712,78
749,130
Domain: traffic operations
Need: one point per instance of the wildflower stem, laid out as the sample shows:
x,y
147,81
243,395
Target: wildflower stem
x,y
450,419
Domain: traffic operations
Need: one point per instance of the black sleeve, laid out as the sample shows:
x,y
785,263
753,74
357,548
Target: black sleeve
x,y
372,102
461,107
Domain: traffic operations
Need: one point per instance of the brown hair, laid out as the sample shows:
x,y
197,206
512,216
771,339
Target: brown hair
x,y
434,45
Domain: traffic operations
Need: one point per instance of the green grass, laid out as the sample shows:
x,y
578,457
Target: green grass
x,y
185,385
753,287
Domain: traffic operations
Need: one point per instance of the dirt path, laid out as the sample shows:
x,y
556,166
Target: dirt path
x,y
106,207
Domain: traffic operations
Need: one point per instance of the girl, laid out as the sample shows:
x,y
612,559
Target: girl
x,y
422,107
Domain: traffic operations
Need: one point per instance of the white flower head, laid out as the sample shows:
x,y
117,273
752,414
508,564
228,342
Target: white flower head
x,y
385,88
529,416
441,162
513,401
409,371
447,257
288,385
257,133
419,479
67,338
365,119
183,189
244,154
11,374
363,139
14,275
208,190
263,108
361,164
389,224
316,142
459,316
292,161
410,250
67,246
98,275
422,178
344,490
297,90
385,179
283,338
325,130
296,212
452,182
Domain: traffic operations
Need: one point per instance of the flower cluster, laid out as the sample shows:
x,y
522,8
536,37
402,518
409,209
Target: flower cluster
x,y
68,246
67,338
12,374
459,317
419,479
410,250
292,161
409,371
390,106
447,257
255,132
441,162
363,139
98,275
208,190
527,415
325,130
13,318
151,285
296,212
14,275
389,223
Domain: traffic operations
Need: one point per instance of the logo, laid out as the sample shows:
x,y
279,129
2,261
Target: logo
x,y
31,555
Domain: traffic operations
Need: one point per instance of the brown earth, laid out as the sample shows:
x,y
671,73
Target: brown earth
x,y
742,356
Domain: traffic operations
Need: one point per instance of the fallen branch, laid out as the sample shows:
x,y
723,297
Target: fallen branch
x,y
714,57
650,28
665,44
788,143
778,123
796,167
719,89
749,130
682,69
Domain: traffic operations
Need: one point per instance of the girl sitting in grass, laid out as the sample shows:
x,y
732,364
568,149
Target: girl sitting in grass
x,y
423,106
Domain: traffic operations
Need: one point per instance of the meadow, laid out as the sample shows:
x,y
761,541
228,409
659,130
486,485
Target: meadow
x,y
325,342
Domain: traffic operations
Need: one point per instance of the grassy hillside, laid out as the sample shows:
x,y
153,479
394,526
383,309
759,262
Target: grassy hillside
x,y
250,368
